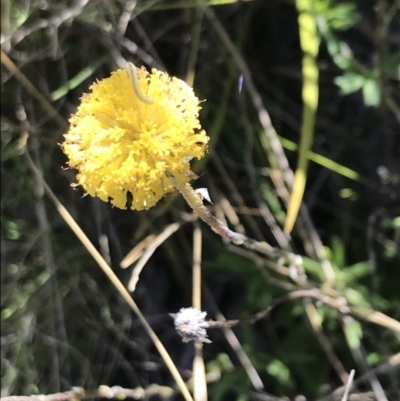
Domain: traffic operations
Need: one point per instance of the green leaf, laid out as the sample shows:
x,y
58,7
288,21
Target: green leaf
x,y
313,268
371,93
278,370
354,333
349,83
357,271
374,358
12,229
338,252
355,297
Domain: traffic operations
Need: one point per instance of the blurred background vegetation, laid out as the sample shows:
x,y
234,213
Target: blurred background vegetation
x,y
63,324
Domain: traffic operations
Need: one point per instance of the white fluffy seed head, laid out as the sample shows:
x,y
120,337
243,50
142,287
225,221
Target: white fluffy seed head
x,y
190,325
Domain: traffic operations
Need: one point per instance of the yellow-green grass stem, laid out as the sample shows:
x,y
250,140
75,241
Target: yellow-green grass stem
x,y
309,46
324,161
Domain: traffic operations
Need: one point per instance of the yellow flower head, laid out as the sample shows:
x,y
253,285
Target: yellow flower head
x,y
121,144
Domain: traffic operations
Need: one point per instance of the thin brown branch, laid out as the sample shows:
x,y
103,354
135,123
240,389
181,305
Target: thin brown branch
x,y
51,111
108,271
392,364
112,393
324,341
196,203
339,304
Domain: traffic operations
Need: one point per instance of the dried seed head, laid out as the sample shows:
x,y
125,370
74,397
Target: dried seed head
x,y
190,325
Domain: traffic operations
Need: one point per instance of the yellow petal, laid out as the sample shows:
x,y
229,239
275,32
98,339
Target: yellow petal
x,y
121,145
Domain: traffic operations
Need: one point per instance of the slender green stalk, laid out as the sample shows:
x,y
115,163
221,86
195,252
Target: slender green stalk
x,y
309,46
325,162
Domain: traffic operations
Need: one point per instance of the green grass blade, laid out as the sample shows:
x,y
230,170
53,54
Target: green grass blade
x,y
323,161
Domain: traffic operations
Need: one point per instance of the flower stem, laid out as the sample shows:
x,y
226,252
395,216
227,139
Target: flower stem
x,y
196,203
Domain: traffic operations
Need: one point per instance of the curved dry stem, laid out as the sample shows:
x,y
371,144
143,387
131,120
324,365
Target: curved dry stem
x,y
196,203
51,111
368,315
199,370
109,273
